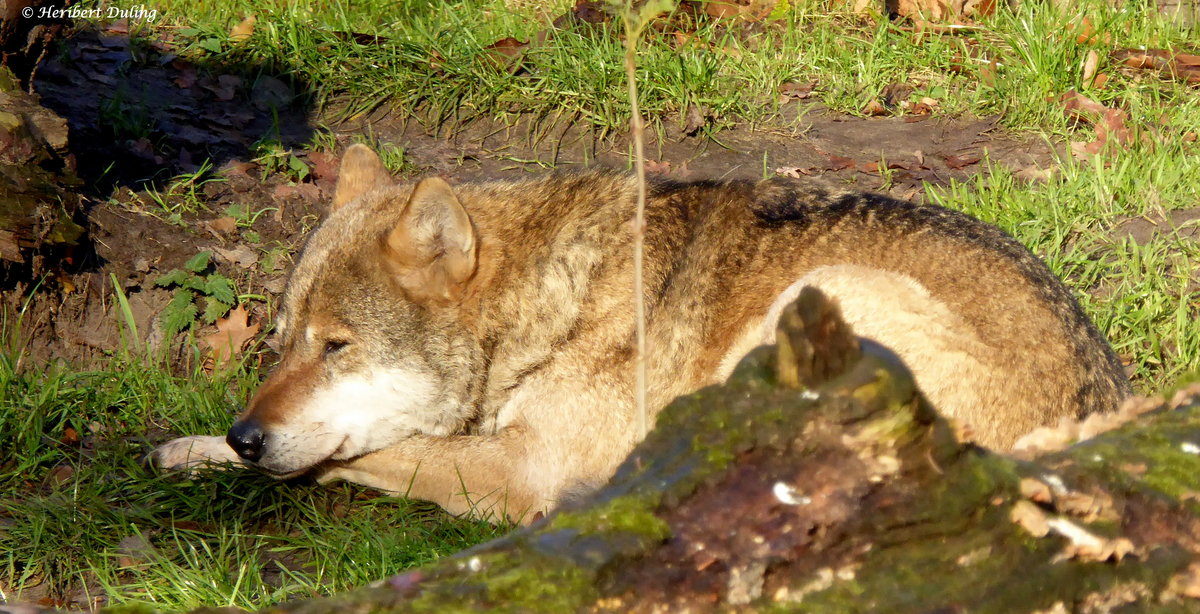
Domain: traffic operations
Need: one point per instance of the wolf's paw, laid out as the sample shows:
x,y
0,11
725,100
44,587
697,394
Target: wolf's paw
x,y
191,453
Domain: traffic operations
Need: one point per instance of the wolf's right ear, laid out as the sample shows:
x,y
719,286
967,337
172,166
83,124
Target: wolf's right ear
x,y
433,248
361,172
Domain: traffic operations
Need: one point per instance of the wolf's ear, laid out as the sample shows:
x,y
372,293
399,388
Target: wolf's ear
x,y
432,249
361,172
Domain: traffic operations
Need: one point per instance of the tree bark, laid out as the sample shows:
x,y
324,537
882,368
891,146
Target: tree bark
x,y
849,496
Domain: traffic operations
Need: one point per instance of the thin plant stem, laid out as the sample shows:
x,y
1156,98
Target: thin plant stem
x,y
632,33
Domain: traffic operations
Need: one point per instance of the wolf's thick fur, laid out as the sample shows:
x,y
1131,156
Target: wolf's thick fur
x,y
472,345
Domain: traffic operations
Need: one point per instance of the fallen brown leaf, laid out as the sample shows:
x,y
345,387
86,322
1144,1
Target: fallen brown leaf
x,y
660,167
325,165
223,225
960,162
505,49
186,78
239,255
837,163
875,108
244,30
797,91
225,88
794,172
135,550
695,118
1089,66
233,333
1180,66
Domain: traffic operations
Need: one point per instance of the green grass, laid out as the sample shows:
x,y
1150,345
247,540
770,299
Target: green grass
x,y
1144,296
240,539
431,58
73,504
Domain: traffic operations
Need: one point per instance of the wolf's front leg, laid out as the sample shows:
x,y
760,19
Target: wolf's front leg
x,y
486,475
194,452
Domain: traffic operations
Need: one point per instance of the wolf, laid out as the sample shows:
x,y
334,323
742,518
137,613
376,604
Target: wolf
x,y
472,345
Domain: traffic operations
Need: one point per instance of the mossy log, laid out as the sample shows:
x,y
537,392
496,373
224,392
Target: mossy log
x,y
847,495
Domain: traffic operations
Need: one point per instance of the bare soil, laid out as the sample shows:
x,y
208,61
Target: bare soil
x,y
139,116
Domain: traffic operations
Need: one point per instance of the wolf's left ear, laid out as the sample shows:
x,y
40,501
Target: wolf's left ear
x,y
361,172
433,247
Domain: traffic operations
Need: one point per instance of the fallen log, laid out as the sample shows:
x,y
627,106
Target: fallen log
x,y
818,479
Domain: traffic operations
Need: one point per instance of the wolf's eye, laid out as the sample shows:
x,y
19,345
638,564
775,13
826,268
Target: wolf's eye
x,y
332,347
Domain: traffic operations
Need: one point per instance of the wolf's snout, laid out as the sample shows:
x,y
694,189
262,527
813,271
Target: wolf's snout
x,y
246,438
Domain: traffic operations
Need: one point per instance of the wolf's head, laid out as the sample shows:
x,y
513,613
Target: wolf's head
x,y
372,347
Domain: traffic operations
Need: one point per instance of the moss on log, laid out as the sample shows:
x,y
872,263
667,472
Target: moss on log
x,y
847,496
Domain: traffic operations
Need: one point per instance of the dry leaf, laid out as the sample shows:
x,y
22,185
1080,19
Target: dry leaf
x,y
186,78
243,30
875,108
724,9
225,87
135,550
658,167
695,118
1089,66
796,91
792,171
223,225
960,162
1181,66
233,333
240,255
988,73
306,191
325,166
504,52
837,163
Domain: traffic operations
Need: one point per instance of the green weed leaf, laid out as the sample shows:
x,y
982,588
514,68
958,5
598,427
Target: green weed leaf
x,y
199,262
180,313
213,309
175,277
219,288
298,167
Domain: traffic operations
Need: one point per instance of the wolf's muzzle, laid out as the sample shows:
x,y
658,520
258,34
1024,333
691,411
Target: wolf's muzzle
x,y
246,438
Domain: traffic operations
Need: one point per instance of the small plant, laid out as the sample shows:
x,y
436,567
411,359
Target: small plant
x,y
123,118
390,154
191,283
273,157
183,194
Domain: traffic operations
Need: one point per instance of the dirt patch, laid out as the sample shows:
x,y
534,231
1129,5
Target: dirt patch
x,y
808,140
1180,223
139,117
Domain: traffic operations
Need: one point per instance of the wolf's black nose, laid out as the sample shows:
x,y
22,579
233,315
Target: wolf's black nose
x,y
246,438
